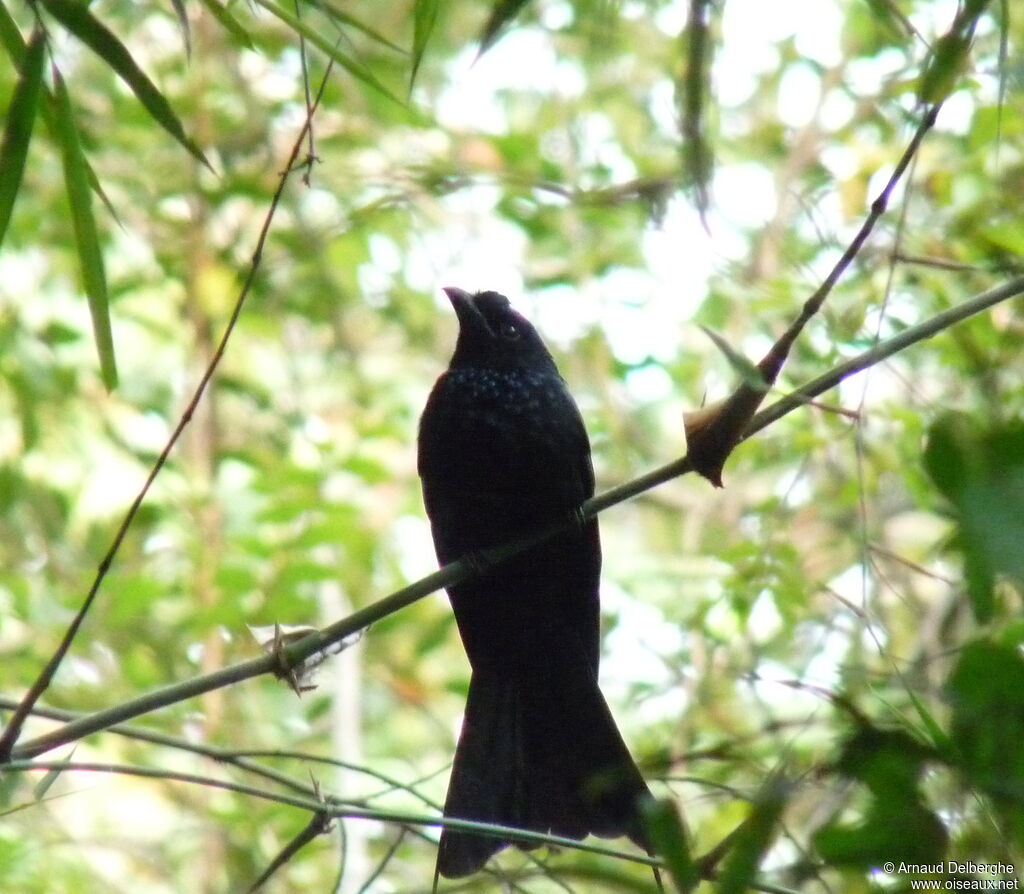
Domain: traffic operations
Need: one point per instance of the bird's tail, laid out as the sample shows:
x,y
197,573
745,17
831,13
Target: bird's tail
x,y
539,753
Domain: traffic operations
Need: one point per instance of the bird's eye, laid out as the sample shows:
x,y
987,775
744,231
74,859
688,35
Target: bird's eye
x,y
510,332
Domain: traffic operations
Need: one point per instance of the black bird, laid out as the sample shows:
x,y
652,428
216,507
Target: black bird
x,y
502,452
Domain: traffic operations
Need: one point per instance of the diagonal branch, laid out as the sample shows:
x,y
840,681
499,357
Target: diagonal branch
x,y
469,566
714,432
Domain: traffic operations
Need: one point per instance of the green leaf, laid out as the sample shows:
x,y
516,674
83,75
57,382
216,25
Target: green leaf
x,y
346,19
979,468
753,838
228,22
90,255
949,55
886,13
186,32
896,828
694,88
946,452
668,836
986,692
424,20
746,370
888,762
502,13
936,735
10,36
21,116
57,333
357,70
101,40
52,775
1002,67
896,825
944,68
981,584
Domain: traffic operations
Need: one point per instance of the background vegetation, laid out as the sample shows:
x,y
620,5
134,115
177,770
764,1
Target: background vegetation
x,y
827,651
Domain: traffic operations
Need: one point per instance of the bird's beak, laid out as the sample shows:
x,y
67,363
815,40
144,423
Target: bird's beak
x,y
461,299
465,309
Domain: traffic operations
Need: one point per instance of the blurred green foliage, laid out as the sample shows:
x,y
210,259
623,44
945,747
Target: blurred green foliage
x,y
825,655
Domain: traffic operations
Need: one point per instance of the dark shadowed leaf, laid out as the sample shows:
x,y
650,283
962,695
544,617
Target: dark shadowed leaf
x,y
425,18
896,824
186,32
694,87
87,242
94,34
894,828
979,468
945,453
503,12
10,36
886,761
666,832
754,838
21,115
986,692
16,48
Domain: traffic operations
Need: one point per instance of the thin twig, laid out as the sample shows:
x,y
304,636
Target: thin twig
x,y
881,351
330,808
383,862
243,759
303,58
713,433
319,823
773,361
42,682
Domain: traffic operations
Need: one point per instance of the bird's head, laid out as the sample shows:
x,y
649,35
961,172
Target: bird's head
x,y
492,334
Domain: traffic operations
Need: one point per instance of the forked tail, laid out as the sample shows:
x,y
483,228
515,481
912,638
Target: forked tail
x,y
538,752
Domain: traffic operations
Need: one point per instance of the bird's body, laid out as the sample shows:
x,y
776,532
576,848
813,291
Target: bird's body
x,y
502,452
